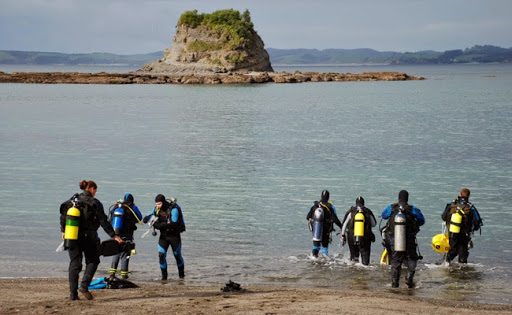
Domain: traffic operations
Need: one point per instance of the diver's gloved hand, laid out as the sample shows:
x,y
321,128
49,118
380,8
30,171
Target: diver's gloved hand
x,y
343,240
146,219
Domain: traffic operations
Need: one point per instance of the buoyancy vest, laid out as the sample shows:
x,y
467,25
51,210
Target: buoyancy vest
x,y
88,211
328,215
468,217
411,224
129,220
164,216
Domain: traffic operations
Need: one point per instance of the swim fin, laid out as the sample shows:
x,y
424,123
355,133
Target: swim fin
x,y
110,247
384,259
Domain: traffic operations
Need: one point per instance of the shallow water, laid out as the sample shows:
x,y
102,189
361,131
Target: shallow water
x,y
247,161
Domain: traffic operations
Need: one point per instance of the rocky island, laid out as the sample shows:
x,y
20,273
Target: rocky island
x,y
218,48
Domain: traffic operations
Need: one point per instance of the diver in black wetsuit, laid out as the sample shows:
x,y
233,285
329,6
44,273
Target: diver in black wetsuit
x,y
330,218
92,216
171,224
460,242
131,215
361,247
413,220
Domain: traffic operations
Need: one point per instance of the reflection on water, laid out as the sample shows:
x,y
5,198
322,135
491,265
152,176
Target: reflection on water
x,y
246,163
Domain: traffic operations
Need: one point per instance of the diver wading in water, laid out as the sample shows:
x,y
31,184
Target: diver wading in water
x,y
168,218
80,218
321,217
462,220
357,231
124,216
400,237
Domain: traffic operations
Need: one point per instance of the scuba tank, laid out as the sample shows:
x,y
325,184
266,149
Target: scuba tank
x,y
359,225
399,232
318,223
455,222
117,219
71,229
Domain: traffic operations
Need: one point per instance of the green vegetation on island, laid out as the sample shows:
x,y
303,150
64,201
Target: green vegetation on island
x,y
232,28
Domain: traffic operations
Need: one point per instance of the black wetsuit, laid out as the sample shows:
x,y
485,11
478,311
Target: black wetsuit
x,y
92,216
130,219
414,219
363,248
330,217
471,221
171,224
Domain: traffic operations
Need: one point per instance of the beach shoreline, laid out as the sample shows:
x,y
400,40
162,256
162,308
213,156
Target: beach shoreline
x,y
50,296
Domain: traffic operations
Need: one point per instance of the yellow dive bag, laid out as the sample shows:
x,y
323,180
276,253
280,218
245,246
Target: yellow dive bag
x,y
441,243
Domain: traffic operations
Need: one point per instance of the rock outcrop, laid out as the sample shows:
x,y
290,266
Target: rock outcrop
x,y
231,78
222,42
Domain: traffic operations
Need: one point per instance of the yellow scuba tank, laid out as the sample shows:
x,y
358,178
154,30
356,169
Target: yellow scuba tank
x,y
441,243
455,222
358,226
71,229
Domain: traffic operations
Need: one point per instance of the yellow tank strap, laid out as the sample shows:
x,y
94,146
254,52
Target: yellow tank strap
x,y
136,217
326,207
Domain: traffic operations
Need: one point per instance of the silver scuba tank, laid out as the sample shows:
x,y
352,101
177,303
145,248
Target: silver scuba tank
x,y
318,223
399,232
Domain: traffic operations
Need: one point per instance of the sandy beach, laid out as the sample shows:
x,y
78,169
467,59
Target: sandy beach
x,y
50,296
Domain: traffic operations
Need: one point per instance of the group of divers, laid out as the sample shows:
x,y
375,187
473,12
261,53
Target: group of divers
x,y
460,218
83,214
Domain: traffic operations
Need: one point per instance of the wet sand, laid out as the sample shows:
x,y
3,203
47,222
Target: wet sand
x,y
50,296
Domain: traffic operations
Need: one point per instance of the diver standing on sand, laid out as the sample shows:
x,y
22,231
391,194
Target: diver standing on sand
x,y
400,237
169,220
124,217
321,217
80,218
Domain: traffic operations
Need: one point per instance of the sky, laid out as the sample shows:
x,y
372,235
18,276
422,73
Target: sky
x,y
145,26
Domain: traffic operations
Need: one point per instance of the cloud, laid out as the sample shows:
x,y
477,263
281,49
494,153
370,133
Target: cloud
x,y
134,26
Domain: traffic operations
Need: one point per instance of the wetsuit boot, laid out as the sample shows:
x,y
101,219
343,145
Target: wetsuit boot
x,y
181,272
164,273
409,279
314,252
124,274
395,276
73,296
85,292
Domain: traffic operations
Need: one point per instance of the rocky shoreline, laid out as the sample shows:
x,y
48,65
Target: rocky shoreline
x,y
228,78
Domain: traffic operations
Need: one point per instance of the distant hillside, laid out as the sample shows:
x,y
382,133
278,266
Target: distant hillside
x,y
328,56
48,58
475,54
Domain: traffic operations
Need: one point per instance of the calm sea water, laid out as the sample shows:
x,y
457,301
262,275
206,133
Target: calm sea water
x,y
246,162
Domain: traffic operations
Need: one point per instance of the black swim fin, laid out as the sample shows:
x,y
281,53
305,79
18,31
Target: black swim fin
x,y
110,247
